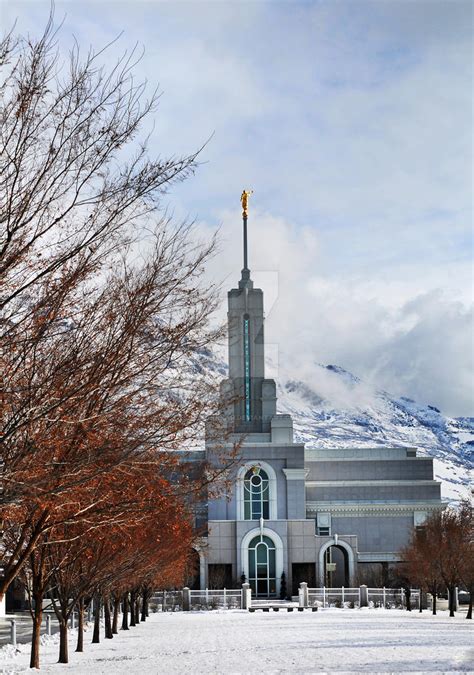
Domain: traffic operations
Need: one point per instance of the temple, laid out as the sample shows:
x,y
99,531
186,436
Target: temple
x,y
330,517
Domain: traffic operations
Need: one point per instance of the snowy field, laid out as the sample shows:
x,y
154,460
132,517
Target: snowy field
x,y
239,642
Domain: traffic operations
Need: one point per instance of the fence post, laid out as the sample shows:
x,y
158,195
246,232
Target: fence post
x,y
383,596
186,599
402,597
456,599
89,612
246,597
224,599
48,624
364,596
13,632
342,599
207,596
72,619
324,596
164,601
303,597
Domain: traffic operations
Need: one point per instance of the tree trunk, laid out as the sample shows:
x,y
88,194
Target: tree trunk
x,y
63,650
469,609
80,625
35,638
125,612
144,604
116,615
137,609
107,618
408,599
421,600
132,609
96,632
451,590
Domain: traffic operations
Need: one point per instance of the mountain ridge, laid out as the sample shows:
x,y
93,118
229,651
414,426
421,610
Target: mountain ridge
x,y
368,417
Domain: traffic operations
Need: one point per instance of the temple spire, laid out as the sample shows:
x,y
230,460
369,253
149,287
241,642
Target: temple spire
x,y
245,280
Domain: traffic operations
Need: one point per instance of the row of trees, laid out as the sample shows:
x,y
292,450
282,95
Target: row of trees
x,y
104,321
440,555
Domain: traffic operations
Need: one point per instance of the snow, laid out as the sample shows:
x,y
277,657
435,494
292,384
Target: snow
x,y
360,640
337,410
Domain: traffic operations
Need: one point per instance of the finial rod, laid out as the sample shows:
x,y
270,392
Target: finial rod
x,y
244,199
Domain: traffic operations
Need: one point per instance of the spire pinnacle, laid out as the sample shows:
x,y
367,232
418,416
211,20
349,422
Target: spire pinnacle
x,y
245,281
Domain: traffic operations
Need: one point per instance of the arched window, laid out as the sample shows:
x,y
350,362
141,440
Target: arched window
x,y
256,494
262,566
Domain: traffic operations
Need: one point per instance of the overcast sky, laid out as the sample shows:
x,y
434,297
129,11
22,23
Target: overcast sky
x,y
352,122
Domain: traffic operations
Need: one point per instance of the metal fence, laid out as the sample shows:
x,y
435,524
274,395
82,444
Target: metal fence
x,y
210,598
333,597
392,598
240,598
166,601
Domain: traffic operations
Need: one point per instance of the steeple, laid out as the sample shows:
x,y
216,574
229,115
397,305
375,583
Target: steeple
x,y
255,399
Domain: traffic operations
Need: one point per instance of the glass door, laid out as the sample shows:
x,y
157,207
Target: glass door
x,y
262,567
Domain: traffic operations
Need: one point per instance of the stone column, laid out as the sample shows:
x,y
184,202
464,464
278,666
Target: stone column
x,y
304,594
246,596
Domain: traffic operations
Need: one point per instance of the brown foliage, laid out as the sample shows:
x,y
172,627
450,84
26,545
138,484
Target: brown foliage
x,y
440,553
104,325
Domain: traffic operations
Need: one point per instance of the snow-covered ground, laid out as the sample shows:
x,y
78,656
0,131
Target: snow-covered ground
x,y
374,640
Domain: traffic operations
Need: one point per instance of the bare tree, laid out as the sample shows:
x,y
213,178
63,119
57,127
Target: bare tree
x,y
105,318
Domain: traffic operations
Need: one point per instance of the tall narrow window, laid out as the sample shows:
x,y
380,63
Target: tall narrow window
x,y
262,567
247,367
256,494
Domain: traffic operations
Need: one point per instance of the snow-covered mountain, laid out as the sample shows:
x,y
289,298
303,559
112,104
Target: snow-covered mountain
x,y
337,409
333,408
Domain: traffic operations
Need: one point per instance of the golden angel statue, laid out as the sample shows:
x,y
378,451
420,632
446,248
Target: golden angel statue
x,y
244,198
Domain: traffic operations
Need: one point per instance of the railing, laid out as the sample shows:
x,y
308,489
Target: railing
x,y
210,598
357,597
392,597
167,601
241,598
334,597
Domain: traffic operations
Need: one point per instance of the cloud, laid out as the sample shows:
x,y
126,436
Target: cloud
x,y
353,124
429,355
415,341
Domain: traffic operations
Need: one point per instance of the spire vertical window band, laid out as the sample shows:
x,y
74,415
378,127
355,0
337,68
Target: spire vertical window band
x,y
247,368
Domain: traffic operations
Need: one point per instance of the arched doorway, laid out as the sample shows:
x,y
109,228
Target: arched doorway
x,y
336,567
262,566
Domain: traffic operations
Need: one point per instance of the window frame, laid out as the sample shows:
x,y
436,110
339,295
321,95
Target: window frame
x,y
272,490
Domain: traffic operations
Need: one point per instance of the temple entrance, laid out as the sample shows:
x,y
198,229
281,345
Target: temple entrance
x,y
262,567
302,572
336,567
219,576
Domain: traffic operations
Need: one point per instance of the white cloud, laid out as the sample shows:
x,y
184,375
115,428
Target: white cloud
x,y
414,341
353,123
